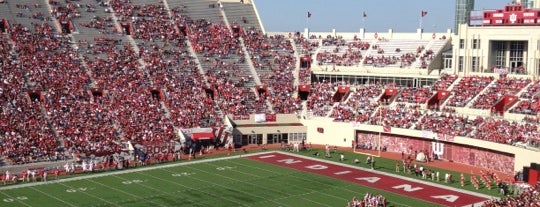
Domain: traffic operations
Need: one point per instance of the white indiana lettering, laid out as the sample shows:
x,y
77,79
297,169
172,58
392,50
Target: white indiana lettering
x,y
289,161
449,198
342,172
369,179
317,167
266,156
407,188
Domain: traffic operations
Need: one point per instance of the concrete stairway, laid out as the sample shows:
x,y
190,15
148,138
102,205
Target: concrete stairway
x,y
242,14
198,9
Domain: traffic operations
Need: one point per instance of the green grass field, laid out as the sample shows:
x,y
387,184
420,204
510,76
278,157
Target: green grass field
x,y
230,182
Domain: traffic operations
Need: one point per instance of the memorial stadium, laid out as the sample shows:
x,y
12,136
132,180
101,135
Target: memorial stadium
x,y
195,103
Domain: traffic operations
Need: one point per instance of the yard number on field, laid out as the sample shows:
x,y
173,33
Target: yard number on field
x,y
74,190
127,182
20,198
182,174
224,168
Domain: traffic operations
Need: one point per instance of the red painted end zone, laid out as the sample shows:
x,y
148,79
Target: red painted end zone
x,y
373,179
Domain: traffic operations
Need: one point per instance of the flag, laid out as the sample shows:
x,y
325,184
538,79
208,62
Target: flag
x,y
364,15
424,13
308,14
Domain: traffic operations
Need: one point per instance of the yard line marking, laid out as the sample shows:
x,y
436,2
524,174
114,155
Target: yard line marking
x,y
121,191
15,199
292,175
84,192
103,174
185,186
146,186
281,198
54,197
281,204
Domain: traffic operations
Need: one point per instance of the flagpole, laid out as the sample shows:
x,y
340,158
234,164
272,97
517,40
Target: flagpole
x,y
364,16
364,22
307,23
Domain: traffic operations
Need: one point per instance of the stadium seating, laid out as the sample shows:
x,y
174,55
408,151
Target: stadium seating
x,y
146,69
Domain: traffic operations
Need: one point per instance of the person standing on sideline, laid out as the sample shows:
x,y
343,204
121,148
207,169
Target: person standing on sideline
x,y
327,151
397,166
7,176
44,175
462,179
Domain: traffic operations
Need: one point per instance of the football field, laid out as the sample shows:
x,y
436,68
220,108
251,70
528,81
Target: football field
x,y
226,181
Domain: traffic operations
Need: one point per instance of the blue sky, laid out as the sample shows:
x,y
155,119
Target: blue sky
x,y
346,15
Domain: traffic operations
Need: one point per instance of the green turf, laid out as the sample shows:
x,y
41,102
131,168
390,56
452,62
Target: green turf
x,y
234,182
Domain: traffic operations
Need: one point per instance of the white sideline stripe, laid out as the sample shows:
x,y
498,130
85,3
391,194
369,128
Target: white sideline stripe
x,y
392,175
119,172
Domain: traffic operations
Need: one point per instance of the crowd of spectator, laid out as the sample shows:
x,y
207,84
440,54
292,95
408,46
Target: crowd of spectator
x,y
400,116
504,131
415,95
305,49
426,58
496,90
382,60
446,123
529,107
26,135
467,88
105,92
529,100
320,102
273,58
529,197
362,102
369,200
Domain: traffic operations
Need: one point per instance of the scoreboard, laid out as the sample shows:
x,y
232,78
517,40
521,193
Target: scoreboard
x,y
511,15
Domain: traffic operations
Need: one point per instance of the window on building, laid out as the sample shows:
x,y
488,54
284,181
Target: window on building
x,y
476,43
499,50
460,64
461,43
475,64
516,57
448,63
